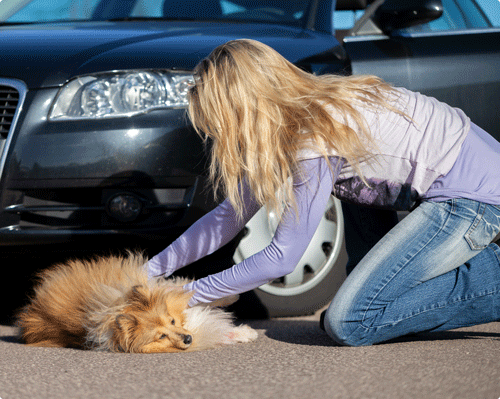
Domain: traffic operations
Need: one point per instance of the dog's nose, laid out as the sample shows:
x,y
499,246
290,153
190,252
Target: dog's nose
x,y
188,339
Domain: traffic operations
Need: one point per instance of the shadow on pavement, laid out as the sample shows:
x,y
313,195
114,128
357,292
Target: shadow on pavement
x,y
12,339
448,336
300,332
307,332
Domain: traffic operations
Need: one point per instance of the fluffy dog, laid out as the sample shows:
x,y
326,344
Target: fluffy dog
x,y
109,304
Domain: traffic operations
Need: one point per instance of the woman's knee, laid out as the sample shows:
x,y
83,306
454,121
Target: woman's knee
x,y
345,330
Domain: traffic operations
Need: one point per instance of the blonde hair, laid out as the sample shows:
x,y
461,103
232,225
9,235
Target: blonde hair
x,y
259,111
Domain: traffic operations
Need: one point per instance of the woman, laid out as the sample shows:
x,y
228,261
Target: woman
x,y
287,139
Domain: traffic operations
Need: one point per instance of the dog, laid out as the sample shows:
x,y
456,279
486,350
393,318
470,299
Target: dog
x,y
110,304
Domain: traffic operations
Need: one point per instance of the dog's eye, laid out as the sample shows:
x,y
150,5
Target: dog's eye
x,y
163,336
173,322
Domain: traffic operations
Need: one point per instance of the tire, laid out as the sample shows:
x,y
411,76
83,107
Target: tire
x,y
319,273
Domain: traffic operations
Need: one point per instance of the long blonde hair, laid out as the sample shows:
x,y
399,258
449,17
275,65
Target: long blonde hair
x,y
259,110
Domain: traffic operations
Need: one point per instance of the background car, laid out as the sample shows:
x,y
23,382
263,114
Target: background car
x,y
97,154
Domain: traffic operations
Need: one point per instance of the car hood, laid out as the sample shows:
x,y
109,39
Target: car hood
x,y
47,55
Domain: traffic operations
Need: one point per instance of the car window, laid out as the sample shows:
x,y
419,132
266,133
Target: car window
x,y
457,15
49,10
491,9
345,19
290,12
463,14
147,8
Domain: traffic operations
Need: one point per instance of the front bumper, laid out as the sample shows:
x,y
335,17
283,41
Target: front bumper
x,y
59,178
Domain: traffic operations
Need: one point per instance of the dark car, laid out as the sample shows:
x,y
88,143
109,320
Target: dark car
x,y
96,148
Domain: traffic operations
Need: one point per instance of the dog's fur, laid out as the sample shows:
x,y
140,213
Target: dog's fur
x,y
109,304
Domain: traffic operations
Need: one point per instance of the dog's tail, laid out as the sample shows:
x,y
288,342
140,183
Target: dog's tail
x,y
38,328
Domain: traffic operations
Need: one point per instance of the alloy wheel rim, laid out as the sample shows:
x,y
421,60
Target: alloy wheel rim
x,y
318,260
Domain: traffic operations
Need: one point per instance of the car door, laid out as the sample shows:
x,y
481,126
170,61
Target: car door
x,y
455,58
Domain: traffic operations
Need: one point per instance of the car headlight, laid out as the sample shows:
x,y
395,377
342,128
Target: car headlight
x,y
118,94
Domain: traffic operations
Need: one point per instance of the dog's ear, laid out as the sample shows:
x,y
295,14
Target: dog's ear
x,y
126,321
139,295
125,325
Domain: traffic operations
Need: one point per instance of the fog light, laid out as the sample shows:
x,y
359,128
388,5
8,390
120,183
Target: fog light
x,y
124,207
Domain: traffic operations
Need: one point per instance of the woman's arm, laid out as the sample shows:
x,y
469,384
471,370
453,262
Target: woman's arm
x,y
205,236
288,245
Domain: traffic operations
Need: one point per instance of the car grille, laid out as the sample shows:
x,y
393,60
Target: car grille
x,y
12,95
9,100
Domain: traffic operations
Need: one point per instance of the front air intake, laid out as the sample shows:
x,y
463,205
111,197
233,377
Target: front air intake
x,y
9,100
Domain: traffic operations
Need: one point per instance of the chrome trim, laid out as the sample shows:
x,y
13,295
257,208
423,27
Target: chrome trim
x,y
435,33
73,208
448,32
365,38
22,89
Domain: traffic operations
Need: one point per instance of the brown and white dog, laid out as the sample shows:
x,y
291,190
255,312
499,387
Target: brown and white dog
x,y
110,304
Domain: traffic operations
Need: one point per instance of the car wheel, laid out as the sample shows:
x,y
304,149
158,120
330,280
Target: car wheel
x,y
318,274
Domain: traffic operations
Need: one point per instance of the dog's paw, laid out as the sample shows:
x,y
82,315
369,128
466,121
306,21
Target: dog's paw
x,y
241,333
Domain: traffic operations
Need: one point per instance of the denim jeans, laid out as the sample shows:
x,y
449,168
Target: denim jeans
x,y
435,270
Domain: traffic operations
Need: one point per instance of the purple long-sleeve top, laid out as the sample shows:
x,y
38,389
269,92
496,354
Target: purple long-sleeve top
x,y
221,225
440,156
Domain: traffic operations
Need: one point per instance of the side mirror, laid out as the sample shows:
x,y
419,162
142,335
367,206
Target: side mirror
x,y
399,14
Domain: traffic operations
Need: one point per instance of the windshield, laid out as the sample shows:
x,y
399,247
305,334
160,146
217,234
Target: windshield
x,y
289,12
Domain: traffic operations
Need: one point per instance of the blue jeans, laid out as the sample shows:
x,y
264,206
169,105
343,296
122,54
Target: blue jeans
x,y
435,270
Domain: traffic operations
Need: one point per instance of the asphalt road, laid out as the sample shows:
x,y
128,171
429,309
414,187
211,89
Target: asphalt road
x,y
292,358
